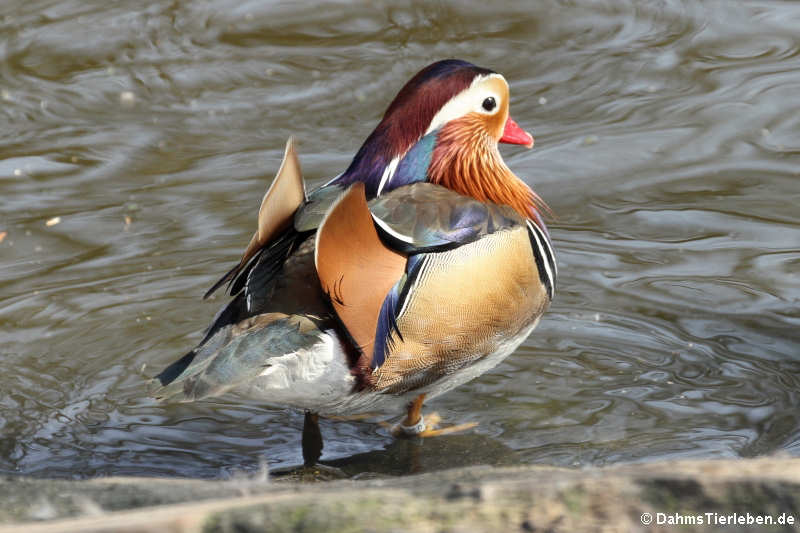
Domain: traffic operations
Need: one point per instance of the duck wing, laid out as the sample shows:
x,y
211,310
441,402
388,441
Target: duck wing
x,y
235,355
278,206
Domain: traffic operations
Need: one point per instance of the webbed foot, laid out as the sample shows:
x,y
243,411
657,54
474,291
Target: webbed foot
x,y
428,426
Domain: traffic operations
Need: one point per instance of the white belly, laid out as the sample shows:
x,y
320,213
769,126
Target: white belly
x,y
318,379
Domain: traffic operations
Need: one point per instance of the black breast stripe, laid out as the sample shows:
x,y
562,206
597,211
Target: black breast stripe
x,y
543,254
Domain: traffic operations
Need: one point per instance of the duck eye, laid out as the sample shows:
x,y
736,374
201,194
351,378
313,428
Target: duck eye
x,y
489,104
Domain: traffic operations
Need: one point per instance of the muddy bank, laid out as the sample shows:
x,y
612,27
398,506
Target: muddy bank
x,y
697,495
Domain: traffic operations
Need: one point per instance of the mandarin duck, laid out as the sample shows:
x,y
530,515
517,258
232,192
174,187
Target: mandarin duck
x,y
420,267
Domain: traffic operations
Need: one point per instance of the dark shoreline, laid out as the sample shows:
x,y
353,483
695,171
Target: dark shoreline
x,y
530,498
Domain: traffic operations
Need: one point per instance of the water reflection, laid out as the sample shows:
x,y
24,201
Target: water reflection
x,y
667,143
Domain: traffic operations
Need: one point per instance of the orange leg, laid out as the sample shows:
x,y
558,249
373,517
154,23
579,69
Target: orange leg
x,y
414,413
412,424
415,425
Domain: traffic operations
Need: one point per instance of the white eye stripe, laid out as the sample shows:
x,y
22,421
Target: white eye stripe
x,y
466,101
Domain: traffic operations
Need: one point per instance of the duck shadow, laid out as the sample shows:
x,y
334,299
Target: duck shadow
x,y
404,457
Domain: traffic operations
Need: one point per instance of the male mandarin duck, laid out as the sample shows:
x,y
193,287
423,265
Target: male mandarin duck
x,y
420,267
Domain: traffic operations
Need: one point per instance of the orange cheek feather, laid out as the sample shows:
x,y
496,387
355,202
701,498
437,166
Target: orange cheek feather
x,y
466,160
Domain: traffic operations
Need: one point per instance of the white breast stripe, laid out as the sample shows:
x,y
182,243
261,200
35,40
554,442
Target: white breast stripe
x,y
420,275
548,247
397,235
388,172
461,104
551,256
546,253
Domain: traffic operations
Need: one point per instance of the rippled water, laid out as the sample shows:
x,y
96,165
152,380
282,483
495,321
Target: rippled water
x,y
667,142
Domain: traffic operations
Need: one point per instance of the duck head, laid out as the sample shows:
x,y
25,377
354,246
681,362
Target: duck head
x,y
444,127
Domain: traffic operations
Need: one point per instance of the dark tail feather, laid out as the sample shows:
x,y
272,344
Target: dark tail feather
x,y
169,374
277,251
268,261
230,314
223,280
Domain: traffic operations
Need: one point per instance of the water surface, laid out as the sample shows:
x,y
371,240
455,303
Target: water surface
x,y
667,143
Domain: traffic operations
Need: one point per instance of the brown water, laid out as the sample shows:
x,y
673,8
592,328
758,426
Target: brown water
x,y
667,141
